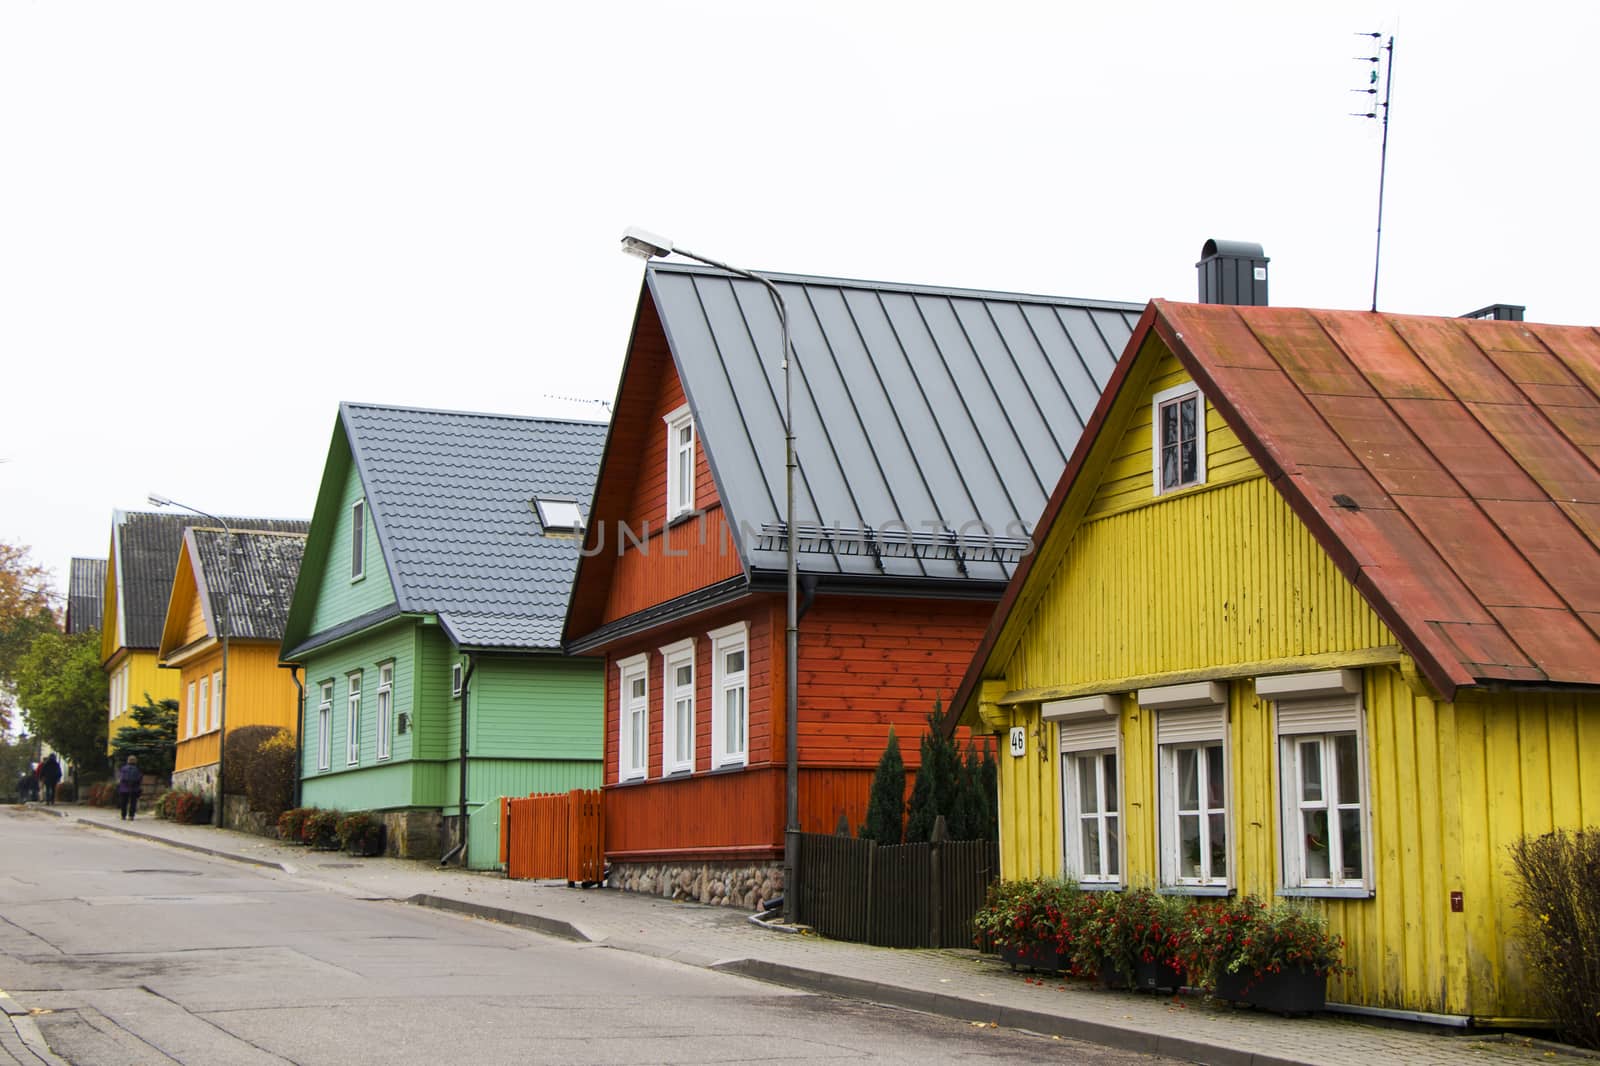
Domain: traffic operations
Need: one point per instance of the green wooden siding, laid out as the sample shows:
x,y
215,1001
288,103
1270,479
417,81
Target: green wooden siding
x,y
546,707
339,598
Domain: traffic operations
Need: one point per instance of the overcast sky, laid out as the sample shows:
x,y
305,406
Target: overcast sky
x,y
217,220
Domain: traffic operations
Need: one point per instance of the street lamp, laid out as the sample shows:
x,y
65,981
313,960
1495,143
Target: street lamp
x,y
224,624
647,245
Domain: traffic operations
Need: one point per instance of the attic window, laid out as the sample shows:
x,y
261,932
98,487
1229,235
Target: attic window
x,y
1178,432
558,516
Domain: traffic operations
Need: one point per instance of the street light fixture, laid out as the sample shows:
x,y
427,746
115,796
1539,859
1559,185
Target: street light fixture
x,y
647,245
225,625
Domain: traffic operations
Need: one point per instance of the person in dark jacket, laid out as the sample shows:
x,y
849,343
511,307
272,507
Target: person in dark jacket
x,y
129,778
49,777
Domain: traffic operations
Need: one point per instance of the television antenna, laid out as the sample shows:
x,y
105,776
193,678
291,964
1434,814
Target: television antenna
x,y
1378,111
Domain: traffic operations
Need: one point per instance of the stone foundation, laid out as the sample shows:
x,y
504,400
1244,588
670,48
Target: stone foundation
x,y
418,834
236,814
201,779
727,884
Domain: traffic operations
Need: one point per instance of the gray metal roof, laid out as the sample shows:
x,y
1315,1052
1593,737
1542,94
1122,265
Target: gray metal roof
x,y
930,423
86,593
257,577
451,495
147,545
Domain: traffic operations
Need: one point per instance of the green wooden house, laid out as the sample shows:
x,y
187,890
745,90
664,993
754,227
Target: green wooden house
x,y
426,623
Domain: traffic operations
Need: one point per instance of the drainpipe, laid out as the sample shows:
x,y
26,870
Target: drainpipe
x,y
466,687
299,731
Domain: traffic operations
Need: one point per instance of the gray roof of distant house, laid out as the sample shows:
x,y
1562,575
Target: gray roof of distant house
x,y
451,495
915,407
86,593
257,576
147,545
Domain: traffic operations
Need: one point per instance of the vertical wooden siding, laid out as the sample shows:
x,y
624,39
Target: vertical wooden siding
x,y
145,677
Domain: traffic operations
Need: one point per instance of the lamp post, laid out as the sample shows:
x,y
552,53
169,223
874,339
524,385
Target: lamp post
x,y
225,625
647,245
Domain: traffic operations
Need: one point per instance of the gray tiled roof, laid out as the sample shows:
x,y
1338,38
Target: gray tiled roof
x,y
915,406
147,545
451,498
259,583
86,593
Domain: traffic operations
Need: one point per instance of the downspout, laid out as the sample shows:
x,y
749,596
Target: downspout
x,y
299,731
466,686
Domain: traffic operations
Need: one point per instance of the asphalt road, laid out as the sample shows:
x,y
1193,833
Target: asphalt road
x,y
132,952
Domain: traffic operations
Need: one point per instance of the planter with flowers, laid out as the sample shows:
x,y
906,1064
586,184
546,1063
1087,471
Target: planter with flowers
x,y
1132,939
1274,957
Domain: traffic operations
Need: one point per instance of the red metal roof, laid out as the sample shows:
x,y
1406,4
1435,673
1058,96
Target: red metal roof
x,y
1451,468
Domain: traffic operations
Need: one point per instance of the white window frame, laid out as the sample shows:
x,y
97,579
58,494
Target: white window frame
x,y
678,702
358,539
203,715
723,685
385,708
1166,398
1192,717
352,718
1090,729
325,727
633,756
680,497
217,696
455,679
189,711
1319,706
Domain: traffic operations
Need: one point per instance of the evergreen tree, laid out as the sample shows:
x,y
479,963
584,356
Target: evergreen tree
x,y
153,737
886,809
965,820
938,782
988,787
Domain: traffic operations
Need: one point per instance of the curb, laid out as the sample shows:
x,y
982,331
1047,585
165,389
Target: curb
x,y
536,922
183,844
959,1008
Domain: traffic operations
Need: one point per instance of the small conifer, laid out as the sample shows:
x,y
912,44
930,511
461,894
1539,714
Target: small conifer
x,y
886,808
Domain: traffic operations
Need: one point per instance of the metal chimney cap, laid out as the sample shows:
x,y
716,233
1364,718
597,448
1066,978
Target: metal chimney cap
x,y
1241,249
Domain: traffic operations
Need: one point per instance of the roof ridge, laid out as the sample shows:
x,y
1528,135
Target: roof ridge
x,y
368,406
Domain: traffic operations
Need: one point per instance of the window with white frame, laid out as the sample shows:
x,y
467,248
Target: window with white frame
x,y
1322,787
358,540
216,700
455,679
1178,438
1091,787
204,714
325,727
677,706
633,718
352,718
385,707
1192,783
188,711
680,462
730,695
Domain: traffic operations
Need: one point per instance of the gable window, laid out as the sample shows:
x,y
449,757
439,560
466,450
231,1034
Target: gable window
x,y
325,727
1192,784
352,719
358,540
188,713
680,462
385,707
216,700
1178,438
1091,787
730,695
677,706
205,704
455,679
1322,786
633,718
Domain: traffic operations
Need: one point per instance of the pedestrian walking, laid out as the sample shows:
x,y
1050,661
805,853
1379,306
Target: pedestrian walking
x,y
129,778
49,777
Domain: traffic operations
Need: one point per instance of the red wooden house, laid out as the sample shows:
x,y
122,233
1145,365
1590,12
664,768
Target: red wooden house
x,y
930,423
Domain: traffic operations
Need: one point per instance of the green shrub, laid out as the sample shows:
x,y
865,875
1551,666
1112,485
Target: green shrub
x,y
166,804
260,765
886,809
321,829
1557,879
101,794
360,831
190,808
291,822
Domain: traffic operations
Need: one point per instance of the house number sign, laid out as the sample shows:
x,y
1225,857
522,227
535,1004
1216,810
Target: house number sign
x,y
1019,741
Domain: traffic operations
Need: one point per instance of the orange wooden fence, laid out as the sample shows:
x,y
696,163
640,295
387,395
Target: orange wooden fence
x,y
554,835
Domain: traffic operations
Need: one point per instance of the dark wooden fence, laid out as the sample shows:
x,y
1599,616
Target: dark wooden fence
x,y
902,896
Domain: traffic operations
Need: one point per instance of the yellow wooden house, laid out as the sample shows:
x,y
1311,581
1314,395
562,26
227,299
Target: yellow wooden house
x,y
1313,613
235,585
138,578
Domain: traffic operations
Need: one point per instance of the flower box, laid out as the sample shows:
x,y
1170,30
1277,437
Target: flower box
x,y
1154,976
369,843
1289,991
1037,957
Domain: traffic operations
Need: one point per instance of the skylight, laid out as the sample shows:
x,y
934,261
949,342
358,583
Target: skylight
x,y
558,516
